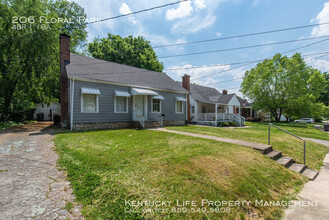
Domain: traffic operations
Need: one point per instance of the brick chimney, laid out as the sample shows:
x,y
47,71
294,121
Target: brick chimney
x,y
186,85
186,82
64,41
224,92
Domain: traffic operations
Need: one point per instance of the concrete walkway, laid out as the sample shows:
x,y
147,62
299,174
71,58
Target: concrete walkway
x,y
264,148
31,186
317,190
323,142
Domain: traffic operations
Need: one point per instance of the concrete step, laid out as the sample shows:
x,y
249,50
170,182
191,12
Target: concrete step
x,y
310,174
299,168
274,154
263,148
285,161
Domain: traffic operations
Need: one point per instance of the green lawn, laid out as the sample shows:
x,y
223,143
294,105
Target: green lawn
x,y
108,167
258,132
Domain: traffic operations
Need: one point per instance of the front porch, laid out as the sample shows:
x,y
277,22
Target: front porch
x,y
211,114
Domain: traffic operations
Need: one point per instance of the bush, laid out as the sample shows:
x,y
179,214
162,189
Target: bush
x,y
223,124
233,124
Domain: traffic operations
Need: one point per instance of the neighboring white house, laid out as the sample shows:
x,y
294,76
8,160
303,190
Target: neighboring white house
x,y
54,108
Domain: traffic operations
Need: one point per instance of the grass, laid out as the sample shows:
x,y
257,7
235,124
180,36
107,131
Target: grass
x,y
9,124
108,167
258,132
68,206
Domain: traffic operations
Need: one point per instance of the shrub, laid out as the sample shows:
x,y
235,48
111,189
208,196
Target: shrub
x,y
222,124
233,124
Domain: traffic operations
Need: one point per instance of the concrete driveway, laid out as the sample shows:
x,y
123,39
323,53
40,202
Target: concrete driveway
x,y
31,186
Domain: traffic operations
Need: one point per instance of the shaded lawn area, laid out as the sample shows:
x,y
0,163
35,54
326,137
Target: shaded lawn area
x,y
108,167
6,125
281,141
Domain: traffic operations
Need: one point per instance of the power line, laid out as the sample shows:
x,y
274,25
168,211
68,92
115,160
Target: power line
x,y
244,47
197,67
242,35
236,63
308,45
137,12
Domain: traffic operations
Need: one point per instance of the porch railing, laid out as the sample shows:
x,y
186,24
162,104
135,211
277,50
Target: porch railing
x,y
159,118
223,117
141,118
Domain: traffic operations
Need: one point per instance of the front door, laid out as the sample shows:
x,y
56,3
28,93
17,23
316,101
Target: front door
x,y
139,108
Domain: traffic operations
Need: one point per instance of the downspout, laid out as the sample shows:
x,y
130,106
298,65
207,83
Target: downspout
x,y
72,103
186,103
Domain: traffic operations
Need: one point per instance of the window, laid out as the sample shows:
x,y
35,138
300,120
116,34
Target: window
x,y
89,103
121,104
203,109
193,109
156,105
179,107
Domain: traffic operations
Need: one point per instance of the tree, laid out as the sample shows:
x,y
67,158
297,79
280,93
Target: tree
x,y
29,69
324,97
132,51
283,85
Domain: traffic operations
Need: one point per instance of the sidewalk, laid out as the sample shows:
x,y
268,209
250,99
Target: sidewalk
x,y
317,190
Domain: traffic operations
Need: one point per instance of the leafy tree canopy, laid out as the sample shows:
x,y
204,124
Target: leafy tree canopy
x,y
132,51
283,85
29,52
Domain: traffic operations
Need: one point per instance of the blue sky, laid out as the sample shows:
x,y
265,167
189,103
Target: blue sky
x,y
205,19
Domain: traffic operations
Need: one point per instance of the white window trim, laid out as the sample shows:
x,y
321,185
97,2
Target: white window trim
x,y
152,106
97,104
182,112
115,105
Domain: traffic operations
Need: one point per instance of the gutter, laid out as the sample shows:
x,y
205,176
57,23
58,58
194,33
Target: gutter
x,y
72,102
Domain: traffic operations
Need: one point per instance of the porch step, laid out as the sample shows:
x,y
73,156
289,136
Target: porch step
x,y
274,154
299,168
285,161
310,174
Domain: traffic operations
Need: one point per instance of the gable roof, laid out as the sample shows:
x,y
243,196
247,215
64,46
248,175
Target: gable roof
x,y
204,94
225,99
83,67
211,95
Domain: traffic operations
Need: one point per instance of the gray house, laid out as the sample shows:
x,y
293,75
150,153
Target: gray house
x,y
97,94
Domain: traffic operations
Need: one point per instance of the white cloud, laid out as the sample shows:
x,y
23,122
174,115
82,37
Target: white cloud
x,y
322,17
200,4
124,9
218,34
255,3
196,72
198,19
194,24
320,64
184,10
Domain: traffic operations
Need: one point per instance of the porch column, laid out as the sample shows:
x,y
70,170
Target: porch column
x,y
250,112
216,107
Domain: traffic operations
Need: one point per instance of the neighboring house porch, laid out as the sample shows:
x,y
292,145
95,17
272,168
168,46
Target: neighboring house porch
x,y
211,113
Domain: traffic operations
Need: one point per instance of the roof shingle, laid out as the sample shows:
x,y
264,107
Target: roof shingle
x,y
100,70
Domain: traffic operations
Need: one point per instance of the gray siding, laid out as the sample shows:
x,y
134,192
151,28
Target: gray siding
x,y
168,106
106,104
